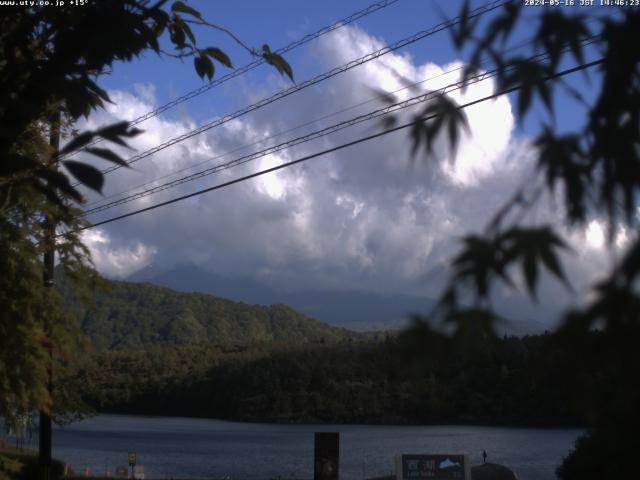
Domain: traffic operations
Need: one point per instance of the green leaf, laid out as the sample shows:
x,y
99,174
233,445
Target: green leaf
x,y
562,160
97,90
117,130
441,111
85,174
545,94
278,62
463,32
78,142
530,76
524,99
107,155
187,29
219,55
550,261
503,24
111,132
60,182
204,66
199,66
77,104
530,271
534,246
177,36
183,8
48,192
416,135
385,97
557,31
161,20
480,259
389,121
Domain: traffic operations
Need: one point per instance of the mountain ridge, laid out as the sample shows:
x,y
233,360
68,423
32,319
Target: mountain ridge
x,y
350,309
356,310
132,315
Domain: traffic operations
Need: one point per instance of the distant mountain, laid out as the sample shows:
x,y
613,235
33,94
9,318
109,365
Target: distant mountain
x,y
359,310
146,273
195,279
134,316
351,309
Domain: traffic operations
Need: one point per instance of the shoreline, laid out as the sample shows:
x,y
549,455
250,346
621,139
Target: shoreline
x,y
444,423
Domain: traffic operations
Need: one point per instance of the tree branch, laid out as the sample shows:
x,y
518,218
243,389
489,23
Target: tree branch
x,y
204,23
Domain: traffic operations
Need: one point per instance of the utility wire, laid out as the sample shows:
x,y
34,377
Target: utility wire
x,y
329,150
313,81
374,7
310,136
103,200
271,137
411,102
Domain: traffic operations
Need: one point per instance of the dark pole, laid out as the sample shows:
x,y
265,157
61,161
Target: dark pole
x,y
326,456
45,436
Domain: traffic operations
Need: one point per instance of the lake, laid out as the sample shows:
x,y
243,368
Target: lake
x,y
195,448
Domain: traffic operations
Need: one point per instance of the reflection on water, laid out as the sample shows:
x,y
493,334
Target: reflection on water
x,y
187,447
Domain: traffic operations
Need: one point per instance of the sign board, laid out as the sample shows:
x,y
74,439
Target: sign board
x,y
433,467
326,462
132,459
138,472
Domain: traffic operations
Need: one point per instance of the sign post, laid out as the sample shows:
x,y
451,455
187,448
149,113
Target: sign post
x,y
132,462
433,467
326,456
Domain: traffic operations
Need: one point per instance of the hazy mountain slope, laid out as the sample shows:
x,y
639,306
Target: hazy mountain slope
x,y
194,279
351,309
134,315
355,310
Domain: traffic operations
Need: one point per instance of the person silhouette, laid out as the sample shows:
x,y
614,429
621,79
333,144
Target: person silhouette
x,y
484,456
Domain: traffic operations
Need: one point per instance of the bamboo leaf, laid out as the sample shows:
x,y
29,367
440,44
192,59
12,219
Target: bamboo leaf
x,y
85,174
107,155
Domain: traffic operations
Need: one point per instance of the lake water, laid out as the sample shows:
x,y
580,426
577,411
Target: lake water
x,y
197,448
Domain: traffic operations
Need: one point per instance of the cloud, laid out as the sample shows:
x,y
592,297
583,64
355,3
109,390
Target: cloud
x,y
365,217
116,261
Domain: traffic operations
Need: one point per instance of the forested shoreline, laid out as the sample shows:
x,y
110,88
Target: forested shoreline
x,y
161,352
527,381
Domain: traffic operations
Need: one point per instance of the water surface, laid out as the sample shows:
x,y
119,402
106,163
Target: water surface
x,y
198,448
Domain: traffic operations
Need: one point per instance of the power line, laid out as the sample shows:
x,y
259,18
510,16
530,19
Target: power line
x,y
329,150
271,137
103,200
313,81
411,102
256,63
310,136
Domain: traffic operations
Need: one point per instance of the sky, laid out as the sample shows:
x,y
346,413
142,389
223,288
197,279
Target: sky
x,y
368,217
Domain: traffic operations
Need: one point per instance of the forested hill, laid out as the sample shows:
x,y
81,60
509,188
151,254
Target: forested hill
x,y
507,381
134,316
